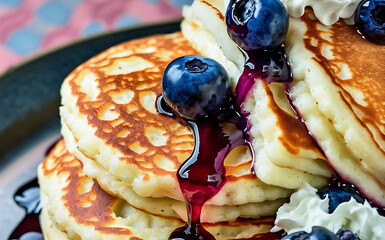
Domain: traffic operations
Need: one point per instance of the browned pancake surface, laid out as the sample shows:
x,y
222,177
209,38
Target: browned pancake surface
x,y
365,73
127,132
89,207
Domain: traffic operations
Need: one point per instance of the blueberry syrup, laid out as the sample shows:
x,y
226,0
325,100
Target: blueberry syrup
x,y
266,65
202,175
28,197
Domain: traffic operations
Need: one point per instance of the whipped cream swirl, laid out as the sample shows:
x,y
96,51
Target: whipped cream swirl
x,y
306,209
327,12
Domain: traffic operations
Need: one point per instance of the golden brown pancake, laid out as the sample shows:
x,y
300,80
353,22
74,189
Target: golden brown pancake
x,y
338,82
76,207
130,153
111,124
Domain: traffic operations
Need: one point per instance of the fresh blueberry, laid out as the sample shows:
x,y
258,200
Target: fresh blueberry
x,y
196,86
257,24
317,233
297,236
338,196
347,235
370,20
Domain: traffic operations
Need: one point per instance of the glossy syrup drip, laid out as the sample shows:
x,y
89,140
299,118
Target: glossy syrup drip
x,y
27,197
202,175
266,65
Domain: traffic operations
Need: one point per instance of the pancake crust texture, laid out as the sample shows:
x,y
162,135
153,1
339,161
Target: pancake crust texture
x,y
114,174
111,124
337,89
76,207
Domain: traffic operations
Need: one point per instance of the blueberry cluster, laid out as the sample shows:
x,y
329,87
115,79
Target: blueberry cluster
x,y
336,195
321,233
196,87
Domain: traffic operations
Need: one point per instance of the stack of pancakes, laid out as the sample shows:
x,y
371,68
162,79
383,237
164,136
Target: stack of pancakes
x,y
114,174
338,79
338,91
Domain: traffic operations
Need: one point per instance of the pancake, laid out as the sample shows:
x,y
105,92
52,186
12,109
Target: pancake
x,y
286,155
110,123
164,206
337,90
114,175
76,207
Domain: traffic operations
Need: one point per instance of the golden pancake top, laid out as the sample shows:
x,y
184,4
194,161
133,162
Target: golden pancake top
x,y
109,109
356,67
294,134
124,112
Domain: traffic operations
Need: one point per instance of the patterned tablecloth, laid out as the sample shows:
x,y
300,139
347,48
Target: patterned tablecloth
x,y
30,26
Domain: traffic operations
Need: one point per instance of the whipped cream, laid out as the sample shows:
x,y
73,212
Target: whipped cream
x,y
327,12
306,209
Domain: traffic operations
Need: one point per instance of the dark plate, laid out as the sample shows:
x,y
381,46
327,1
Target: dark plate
x,y
29,102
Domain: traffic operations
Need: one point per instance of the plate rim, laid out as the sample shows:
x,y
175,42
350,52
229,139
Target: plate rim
x,y
50,124
14,117
90,37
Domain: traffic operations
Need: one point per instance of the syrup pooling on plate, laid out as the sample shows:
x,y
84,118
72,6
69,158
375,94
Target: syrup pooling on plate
x,y
27,196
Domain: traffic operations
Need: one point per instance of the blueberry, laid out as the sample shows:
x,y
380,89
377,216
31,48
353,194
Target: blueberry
x,y
196,87
297,236
338,196
317,233
347,235
257,24
370,20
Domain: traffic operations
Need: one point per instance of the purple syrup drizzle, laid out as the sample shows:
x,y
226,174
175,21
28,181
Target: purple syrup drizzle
x,y
27,197
267,65
202,175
